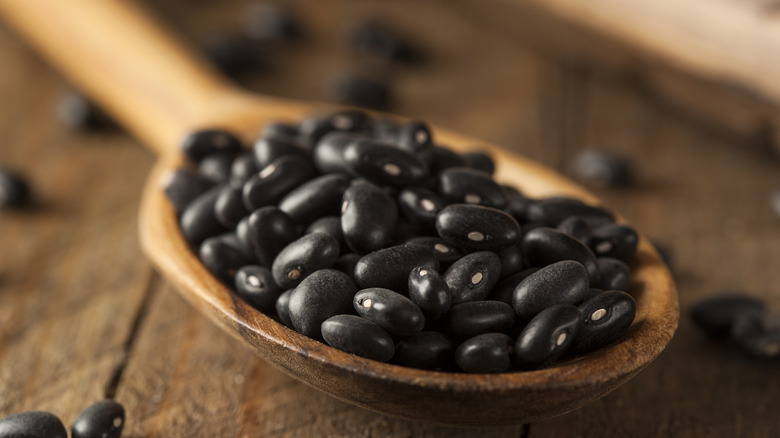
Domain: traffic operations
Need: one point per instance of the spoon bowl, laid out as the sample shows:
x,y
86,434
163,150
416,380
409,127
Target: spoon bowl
x,y
161,91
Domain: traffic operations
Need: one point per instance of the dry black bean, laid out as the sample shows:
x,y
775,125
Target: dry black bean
x,y
601,168
415,137
505,288
429,291
511,260
331,225
231,238
486,353
385,164
221,258
480,161
255,284
359,336
283,308
389,268
548,335
604,318
229,207
758,333
473,276
203,143
445,253
328,154
420,206
716,315
368,217
392,311
182,186
303,257
426,350
346,263
217,166
615,274
244,167
614,240
269,148
592,292
477,228
577,227
470,186
268,231
323,294
277,179
102,419
467,320
32,424
543,246
198,220
14,190
312,129
316,198
440,158
551,211
562,282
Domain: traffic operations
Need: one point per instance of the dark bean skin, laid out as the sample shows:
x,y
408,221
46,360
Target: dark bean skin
x,y
217,166
359,336
616,241
203,143
518,207
385,164
716,315
392,311
229,207
604,318
429,291
269,230
487,353
389,268
312,129
102,419
385,130
255,284
328,154
198,221
321,295
471,186
445,253
551,211
182,186
269,148
283,308
302,257
32,424
351,121
472,277
330,225
479,161
420,206
615,275
14,190
426,350
758,333
346,263
505,288
368,217
415,137
279,128
440,158
467,320
477,228
543,246
243,168
592,292
221,259
601,168
547,336
511,260
245,241
231,239
577,227
316,198
562,282
277,179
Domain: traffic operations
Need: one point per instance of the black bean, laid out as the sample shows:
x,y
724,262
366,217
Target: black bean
x,y
267,149
316,198
229,207
78,112
368,217
758,333
440,158
385,130
330,225
505,288
283,308
217,166
716,315
479,161
614,274
312,129
511,260
518,206
328,154
616,241
415,137
203,143
346,263
385,164
576,226
472,277
426,350
269,23
182,186
198,220
445,253
282,129
102,419
467,320
359,336
359,90
231,239
604,318
592,292
255,284
277,179
551,211
548,335
32,424
389,268
562,282
221,258
269,230
420,206
303,257
374,39
487,353
601,168
14,190
429,291
471,186
323,294
351,121
244,167
392,311
477,228
543,246
245,240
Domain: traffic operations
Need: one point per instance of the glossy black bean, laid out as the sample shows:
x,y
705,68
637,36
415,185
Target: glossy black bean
x,y
420,206
368,217
429,291
330,225
548,335
487,353
471,186
267,149
477,228
203,143
277,179
14,190
601,168
564,282
351,121
217,166
312,129
415,137
346,263
221,258
614,274
231,239
316,198
576,226
182,186
283,308
358,90
604,318
518,206
505,288
269,23
392,311
426,350
716,315
102,419
616,241
467,320
479,161
385,164
244,240
592,292
472,277
198,220
543,246
323,294
551,211
359,336
244,167
229,207
255,284
282,129
758,333
328,154
32,424
268,231
445,253
78,112
440,158
511,260
389,268
304,256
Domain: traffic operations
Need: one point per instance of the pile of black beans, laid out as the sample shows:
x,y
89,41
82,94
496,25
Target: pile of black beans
x,y
102,419
369,236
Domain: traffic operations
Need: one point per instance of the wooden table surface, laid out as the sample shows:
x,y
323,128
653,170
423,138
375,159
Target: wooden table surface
x,y
83,316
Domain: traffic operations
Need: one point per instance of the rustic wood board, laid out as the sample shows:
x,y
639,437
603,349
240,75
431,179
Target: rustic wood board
x,y
83,316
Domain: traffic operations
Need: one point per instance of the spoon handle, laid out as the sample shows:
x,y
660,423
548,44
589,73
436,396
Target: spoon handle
x,y
149,80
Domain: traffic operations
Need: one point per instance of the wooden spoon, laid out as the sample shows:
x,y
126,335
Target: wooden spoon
x,y
160,91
